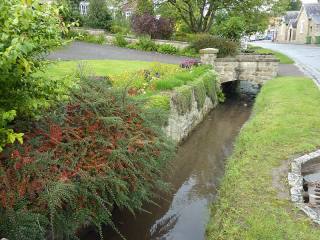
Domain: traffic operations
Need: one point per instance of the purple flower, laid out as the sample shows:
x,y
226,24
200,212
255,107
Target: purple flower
x,y
189,63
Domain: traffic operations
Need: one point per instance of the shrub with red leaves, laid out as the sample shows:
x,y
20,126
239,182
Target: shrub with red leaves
x,y
147,24
78,162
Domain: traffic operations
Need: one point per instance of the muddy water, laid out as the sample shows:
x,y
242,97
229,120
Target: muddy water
x,y
195,175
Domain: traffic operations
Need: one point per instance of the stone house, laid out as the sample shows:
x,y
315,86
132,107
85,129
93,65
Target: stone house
x,y
127,8
308,24
286,27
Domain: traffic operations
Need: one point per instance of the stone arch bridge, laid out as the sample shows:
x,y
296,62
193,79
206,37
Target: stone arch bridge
x,y
251,70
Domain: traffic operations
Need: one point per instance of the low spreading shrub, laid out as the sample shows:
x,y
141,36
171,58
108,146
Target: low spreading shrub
x,y
146,44
120,41
77,163
181,36
189,52
147,24
226,47
167,49
87,37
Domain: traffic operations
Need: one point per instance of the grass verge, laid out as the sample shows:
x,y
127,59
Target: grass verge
x,y
284,59
285,123
99,67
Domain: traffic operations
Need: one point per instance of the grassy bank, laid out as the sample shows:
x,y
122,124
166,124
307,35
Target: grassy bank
x,y
285,123
284,59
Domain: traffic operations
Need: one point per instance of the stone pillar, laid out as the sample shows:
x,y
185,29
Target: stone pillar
x,y
208,55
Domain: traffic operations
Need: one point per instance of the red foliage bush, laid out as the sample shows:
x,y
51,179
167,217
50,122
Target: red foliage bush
x,y
147,24
102,149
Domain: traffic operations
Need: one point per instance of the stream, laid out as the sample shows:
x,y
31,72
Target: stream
x,y
195,174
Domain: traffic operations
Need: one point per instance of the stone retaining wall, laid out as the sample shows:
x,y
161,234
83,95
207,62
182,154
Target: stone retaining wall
x,y
110,38
181,124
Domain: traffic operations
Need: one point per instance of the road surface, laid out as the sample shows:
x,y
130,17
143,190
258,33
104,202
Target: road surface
x,y
307,57
87,51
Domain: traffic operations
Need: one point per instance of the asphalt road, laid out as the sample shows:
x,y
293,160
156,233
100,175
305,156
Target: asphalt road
x,y
88,51
307,57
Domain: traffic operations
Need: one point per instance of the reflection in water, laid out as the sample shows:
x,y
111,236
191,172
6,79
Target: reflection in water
x,y
194,175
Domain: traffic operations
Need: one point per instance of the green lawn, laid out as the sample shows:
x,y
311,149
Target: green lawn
x,y
284,59
285,123
98,67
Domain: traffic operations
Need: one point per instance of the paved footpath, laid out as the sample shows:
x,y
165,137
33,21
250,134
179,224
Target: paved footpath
x,y
307,57
87,51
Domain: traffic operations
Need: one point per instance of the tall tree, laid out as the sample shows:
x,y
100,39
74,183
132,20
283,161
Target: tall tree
x,y
294,5
199,15
144,7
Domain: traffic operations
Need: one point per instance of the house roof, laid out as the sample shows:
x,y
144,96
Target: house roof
x,y
293,23
290,16
313,11
128,5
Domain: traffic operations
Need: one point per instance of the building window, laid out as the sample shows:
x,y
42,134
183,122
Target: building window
x,y
128,14
302,26
84,8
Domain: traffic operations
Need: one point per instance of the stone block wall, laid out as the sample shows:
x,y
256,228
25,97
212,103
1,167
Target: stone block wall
x,y
180,126
193,105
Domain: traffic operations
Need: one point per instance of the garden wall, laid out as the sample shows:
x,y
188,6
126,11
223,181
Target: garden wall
x,y
110,37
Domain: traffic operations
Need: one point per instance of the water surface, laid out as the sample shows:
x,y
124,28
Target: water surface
x,y
195,175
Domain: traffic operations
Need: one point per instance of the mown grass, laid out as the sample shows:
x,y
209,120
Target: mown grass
x,y
284,59
61,69
285,123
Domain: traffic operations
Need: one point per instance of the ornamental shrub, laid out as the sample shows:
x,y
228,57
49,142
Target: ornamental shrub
x,y
167,49
28,31
226,47
165,28
98,15
120,41
81,160
147,24
146,44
